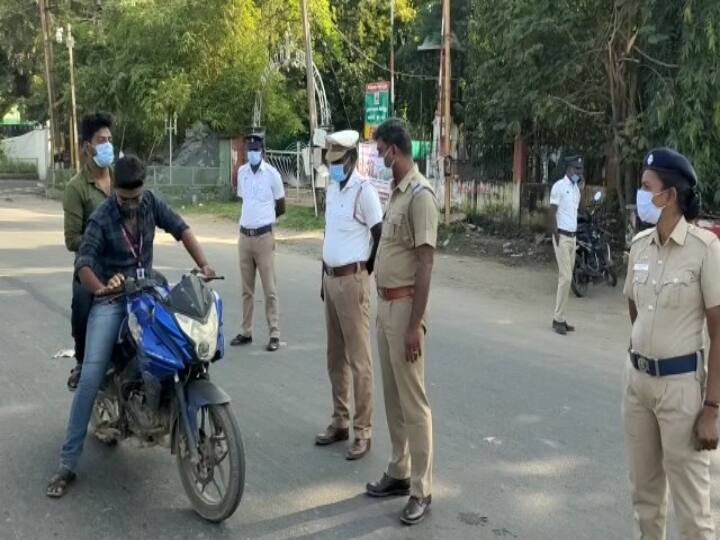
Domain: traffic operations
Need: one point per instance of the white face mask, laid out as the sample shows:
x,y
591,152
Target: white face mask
x,y
646,209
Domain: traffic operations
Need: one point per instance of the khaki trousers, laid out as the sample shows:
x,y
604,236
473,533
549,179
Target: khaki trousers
x,y
565,256
349,356
406,404
659,414
257,254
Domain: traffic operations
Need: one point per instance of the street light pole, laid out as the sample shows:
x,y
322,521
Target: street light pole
x,y
310,95
171,128
445,122
392,57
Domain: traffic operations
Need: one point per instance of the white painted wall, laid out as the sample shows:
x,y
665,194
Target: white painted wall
x,y
34,145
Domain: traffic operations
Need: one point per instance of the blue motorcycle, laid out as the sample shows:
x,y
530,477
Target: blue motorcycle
x,y
158,390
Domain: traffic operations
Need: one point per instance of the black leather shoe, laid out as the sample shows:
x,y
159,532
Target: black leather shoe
x,y
569,328
388,486
241,340
560,328
274,344
332,435
416,510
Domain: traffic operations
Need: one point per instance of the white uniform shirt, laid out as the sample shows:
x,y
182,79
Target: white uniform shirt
x,y
566,195
259,191
349,216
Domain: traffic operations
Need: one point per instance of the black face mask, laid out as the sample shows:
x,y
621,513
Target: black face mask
x,y
129,212
129,209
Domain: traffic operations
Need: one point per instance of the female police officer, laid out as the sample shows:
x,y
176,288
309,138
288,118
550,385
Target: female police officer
x,y
670,413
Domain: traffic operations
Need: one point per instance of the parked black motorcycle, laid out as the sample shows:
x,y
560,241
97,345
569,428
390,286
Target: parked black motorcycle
x,y
593,256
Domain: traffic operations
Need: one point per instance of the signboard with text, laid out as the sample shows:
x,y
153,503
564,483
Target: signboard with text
x,y
377,106
371,166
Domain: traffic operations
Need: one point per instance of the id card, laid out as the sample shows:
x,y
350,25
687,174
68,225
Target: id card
x,y
140,273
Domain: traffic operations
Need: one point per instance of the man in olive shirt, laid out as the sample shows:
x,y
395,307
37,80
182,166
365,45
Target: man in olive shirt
x,y
403,270
85,192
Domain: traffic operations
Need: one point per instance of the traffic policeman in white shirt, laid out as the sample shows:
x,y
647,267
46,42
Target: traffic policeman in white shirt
x,y
564,204
353,225
260,187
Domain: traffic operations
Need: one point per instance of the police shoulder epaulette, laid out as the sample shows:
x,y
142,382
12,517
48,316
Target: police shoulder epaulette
x,y
643,234
705,236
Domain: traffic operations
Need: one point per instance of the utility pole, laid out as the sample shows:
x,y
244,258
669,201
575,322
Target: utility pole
x,y
312,110
392,57
74,144
445,107
48,79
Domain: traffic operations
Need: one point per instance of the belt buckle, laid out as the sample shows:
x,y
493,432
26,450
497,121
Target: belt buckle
x,y
645,363
330,271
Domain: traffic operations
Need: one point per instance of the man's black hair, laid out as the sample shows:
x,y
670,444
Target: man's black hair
x,y
92,123
129,172
394,132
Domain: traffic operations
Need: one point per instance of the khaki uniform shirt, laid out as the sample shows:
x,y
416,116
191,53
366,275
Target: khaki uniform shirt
x,y
672,285
410,221
81,198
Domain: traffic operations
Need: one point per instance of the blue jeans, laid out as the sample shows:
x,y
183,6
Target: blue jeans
x,y
102,331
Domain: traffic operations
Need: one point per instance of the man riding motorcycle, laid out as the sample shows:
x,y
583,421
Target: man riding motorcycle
x,y
117,243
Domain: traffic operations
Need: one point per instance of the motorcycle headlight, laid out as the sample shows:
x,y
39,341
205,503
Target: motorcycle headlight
x,y
204,336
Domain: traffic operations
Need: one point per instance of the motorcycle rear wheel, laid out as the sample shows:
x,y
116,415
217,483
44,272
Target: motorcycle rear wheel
x,y
611,277
579,284
215,485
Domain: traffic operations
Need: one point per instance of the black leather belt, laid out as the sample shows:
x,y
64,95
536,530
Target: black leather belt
x,y
346,270
667,366
256,232
566,233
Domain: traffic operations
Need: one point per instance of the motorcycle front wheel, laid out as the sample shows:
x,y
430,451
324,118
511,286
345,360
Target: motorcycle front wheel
x,y
216,483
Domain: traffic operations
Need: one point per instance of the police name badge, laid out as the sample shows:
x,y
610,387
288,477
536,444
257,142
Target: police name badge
x,y
641,267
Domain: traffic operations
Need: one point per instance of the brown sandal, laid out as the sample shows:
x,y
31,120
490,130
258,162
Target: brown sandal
x,y
58,485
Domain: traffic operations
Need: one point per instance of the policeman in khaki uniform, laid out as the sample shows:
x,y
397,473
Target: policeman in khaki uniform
x,y
670,407
403,271
260,187
353,223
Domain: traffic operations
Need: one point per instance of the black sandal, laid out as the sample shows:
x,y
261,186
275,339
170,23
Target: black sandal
x,y
58,485
74,379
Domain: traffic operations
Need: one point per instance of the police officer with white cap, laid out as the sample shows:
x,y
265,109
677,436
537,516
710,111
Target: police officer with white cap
x,y
564,204
260,187
670,401
353,224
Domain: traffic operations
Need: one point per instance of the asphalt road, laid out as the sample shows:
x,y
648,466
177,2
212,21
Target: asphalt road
x,y
528,440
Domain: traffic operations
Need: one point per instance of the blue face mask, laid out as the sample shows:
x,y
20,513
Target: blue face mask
x,y
646,209
575,178
104,155
254,157
337,172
